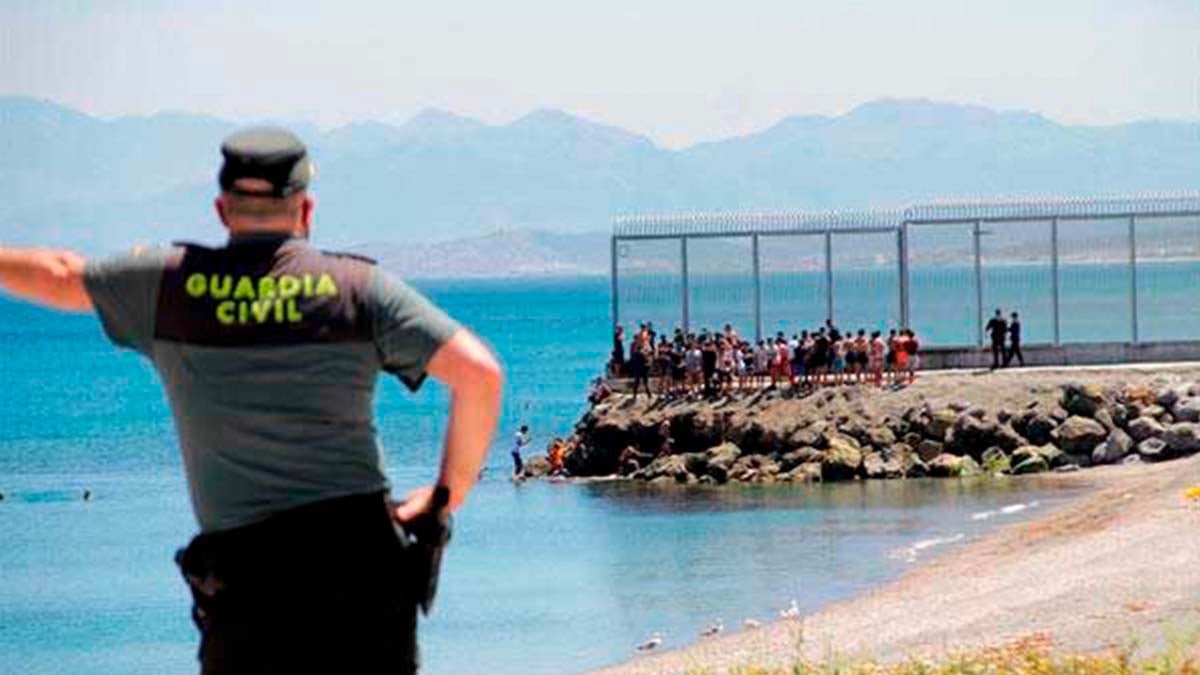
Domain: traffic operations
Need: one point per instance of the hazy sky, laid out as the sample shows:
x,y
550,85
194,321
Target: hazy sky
x,y
679,71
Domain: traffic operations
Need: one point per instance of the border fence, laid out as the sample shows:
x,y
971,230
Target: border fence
x,y
1118,269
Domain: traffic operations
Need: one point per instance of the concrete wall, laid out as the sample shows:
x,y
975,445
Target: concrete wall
x,y
1090,354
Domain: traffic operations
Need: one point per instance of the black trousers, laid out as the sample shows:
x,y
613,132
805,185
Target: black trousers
x,y
1014,350
997,354
321,588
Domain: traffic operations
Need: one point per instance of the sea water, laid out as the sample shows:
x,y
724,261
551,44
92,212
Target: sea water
x,y
540,577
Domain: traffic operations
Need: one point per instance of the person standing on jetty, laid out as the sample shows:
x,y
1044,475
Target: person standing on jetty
x,y
618,352
519,443
1014,342
269,351
998,329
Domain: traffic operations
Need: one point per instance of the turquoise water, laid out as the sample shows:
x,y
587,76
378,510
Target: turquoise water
x,y
541,578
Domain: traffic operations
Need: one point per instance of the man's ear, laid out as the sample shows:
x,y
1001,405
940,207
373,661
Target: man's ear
x,y
219,205
307,206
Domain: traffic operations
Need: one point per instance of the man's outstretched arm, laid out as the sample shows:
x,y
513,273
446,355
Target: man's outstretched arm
x,y
475,380
49,277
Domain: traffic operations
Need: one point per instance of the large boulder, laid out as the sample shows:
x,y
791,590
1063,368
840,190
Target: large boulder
x,y
879,465
756,438
928,449
940,421
1145,427
946,465
1154,411
1079,434
995,461
1054,456
855,430
872,464
1083,400
693,428
1187,410
1049,453
1007,438
799,456
809,472
1116,446
722,457
612,434
753,468
842,458
1030,464
914,467
880,437
537,466
812,435
1153,449
969,467
672,467
588,460
971,435
1182,438
696,463
1167,396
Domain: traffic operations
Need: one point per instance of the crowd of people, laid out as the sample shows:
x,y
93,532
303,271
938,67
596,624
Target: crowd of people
x,y
720,361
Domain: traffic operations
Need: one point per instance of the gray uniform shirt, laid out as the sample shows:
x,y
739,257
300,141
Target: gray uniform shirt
x,y
269,351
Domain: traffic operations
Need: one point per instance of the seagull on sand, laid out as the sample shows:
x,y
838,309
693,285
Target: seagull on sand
x,y
654,641
713,629
751,624
792,612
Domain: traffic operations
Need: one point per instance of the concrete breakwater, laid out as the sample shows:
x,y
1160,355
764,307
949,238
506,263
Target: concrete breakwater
x,y
956,425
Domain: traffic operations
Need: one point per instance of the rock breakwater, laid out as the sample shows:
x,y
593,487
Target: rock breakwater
x,y
851,432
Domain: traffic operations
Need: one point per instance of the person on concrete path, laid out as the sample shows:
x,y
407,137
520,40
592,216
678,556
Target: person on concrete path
x,y
1014,342
269,350
997,329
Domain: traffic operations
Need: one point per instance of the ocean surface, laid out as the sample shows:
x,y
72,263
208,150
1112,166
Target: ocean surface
x,y
540,577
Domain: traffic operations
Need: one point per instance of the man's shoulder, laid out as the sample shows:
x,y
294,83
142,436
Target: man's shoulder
x,y
348,255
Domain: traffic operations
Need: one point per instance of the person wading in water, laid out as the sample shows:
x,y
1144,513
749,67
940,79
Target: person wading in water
x,y
269,351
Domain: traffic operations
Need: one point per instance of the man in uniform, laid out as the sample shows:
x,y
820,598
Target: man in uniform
x,y
1014,342
997,328
269,351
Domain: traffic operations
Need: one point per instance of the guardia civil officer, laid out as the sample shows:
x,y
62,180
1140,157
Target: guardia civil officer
x,y
269,351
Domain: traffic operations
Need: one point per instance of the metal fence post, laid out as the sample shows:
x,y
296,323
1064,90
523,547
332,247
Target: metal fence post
x,y
616,317
902,261
1133,292
1054,281
829,275
978,284
757,289
683,267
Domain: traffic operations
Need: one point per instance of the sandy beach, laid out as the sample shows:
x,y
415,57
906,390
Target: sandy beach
x,y
1119,562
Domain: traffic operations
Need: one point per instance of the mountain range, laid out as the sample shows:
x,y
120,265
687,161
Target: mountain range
x,y
445,195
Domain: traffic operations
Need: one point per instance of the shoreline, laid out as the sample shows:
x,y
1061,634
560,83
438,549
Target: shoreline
x,y
946,424
1118,562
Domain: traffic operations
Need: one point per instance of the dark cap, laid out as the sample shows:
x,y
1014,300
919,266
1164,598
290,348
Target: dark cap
x,y
267,153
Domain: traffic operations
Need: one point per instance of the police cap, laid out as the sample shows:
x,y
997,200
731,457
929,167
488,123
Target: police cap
x,y
266,153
